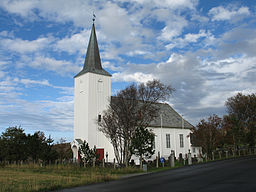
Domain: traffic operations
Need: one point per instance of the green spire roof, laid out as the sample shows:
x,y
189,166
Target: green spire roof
x,y
92,61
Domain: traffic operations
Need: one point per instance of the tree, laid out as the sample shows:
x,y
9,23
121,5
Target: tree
x,y
242,108
64,151
233,128
14,144
86,154
2,150
207,134
132,107
36,145
143,144
48,153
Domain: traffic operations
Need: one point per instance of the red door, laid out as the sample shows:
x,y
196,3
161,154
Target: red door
x,y
100,154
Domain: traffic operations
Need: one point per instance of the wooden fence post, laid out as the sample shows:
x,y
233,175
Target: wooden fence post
x,y
93,162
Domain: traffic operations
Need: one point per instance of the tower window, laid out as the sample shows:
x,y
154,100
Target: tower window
x,y
99,118
100,85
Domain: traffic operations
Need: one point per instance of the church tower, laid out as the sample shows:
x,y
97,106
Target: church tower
x,y
91,97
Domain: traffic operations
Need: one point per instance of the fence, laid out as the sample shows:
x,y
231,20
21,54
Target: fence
x,y
158,162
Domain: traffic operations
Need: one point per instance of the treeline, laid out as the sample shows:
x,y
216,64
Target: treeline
x,y
235,130
17,146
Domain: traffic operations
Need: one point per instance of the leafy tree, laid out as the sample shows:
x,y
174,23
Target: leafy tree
x,y
143,144
86,154
242,108
48,154
132,107
234,134
2,150
207,134
36,144
14,144
64,151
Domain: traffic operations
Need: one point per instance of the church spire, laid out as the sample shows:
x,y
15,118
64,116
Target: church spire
x,y
92,61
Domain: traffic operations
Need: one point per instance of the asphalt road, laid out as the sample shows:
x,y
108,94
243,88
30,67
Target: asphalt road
x,y
227,176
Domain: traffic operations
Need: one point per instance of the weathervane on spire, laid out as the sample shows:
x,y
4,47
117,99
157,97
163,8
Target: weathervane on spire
x,y
93,17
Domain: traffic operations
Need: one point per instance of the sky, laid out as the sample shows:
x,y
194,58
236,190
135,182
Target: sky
x,y
204,49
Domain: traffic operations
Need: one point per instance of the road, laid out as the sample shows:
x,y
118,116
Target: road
x,y
227,176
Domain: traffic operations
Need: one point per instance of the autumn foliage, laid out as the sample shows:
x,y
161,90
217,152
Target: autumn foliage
x,y
235,130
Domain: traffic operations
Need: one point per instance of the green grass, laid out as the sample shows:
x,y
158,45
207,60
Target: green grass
x,y
32,177
35,178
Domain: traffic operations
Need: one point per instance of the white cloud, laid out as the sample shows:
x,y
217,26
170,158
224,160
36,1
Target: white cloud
x,y
57,10
28,82
115,22
173,28
189,38
7,34
75,43
194,37
2,74
109,65
172,4
220,13
51,64
25,46
23,8
223,64
135,77
38,115
46,115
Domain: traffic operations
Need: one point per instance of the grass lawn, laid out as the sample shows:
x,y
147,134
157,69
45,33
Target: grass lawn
x,y
35,178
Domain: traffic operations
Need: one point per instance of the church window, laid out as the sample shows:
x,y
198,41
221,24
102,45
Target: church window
x,y
168,143
99,118
80,85
194,149
100,85
181,141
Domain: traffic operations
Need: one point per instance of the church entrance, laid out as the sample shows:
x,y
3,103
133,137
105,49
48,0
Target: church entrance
x,y
100,153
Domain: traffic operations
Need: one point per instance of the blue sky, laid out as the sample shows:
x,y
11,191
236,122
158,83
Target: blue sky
x,y
205,49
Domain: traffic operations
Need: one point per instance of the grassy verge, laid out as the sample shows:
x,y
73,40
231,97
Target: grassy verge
x,y
27,178
35,178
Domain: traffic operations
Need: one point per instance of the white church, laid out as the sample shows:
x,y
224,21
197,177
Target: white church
x,y
92,94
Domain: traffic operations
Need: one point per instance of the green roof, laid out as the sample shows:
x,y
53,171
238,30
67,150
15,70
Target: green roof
x,y
92,61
